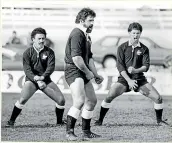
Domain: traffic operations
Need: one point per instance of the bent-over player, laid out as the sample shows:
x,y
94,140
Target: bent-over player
x,y
38,65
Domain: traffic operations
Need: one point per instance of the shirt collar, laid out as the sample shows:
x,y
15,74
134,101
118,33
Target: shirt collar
x,y
82,28
37,50
138,44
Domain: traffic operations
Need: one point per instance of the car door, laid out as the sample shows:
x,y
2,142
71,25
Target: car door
x,y
156,55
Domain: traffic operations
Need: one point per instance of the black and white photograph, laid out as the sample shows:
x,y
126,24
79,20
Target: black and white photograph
x,y
86,71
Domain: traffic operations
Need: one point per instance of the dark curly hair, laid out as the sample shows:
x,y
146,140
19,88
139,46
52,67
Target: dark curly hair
x,y
82,15
38,30
136,26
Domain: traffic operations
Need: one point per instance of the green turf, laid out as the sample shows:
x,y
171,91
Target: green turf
x,y
131,119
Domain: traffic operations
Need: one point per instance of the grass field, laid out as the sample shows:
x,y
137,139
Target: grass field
x,y
131,119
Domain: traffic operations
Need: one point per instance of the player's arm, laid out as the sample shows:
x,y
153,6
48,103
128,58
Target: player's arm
x,y
98,78
50,64
145,63
76,53
92,67
27,66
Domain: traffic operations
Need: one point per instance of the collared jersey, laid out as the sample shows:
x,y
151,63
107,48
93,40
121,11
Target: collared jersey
x,y
38,63
78,45
135,57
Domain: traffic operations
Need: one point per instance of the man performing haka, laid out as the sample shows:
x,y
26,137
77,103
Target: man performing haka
x,y
38,65
79,71
132,60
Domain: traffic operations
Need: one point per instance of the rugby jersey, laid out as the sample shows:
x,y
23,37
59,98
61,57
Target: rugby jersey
x,y
78,45
38,63
135,57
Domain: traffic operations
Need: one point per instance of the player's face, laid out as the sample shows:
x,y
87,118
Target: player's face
x,y
134,36
89,23
39,40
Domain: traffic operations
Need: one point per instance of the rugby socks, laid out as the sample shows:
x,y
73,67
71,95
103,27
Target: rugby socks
x,y
104,109
158,110
59,113
16,111
72,116
86,119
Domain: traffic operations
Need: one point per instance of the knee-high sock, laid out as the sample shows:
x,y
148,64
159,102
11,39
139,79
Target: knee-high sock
x,y
158,110
86,119
16,111
72,116
59,113
104,109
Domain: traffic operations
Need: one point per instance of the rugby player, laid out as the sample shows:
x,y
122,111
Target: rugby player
x,y
79,70
132,61
38,65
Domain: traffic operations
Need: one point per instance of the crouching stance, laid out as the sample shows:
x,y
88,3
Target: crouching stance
x,y
79,70
38,65
132,61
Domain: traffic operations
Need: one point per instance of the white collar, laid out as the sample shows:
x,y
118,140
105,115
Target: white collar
x,y
36,49
82,28
138,44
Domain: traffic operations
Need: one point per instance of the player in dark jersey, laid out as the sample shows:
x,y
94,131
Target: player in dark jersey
x,y
132,60
38,65
79,70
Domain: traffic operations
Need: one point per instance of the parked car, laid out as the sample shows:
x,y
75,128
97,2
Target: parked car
x,y
105,51
12,59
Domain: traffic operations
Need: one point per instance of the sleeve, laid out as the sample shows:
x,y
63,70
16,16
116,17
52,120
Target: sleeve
x,y
27,66
76,45
146,59
50,64
120,60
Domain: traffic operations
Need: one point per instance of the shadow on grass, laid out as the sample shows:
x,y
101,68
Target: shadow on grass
x,y
46,125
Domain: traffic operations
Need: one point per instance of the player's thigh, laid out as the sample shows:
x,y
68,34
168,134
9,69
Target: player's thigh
x,y
52,91
77,90
56,89
116,90
91,98
29,88
149,91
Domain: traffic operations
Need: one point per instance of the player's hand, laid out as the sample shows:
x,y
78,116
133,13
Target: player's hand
x,y
41,84
131,70
36,78
99,79
132,84
89,75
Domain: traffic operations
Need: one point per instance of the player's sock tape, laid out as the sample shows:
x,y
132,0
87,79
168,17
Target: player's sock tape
x,y
59,106
87,114
105,104
158,106
74,112
18,105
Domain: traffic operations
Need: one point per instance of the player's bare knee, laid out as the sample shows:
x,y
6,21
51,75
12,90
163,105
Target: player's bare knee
x,y
23,101
61,101
91,103
109,98
158,100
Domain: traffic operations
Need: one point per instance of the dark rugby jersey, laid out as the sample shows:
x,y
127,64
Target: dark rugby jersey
x,y
41,64
137,57
77,45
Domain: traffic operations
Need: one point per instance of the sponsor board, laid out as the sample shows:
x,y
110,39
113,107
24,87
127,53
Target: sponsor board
x,y
12,81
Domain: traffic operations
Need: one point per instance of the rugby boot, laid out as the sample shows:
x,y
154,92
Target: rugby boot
x,y
98,123
10,124
70,135
87,134
162,123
